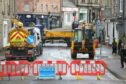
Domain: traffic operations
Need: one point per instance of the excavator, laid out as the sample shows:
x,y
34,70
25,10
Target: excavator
x,y
83,42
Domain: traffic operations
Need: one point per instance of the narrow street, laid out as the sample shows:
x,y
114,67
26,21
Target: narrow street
x,y
59,51
49,41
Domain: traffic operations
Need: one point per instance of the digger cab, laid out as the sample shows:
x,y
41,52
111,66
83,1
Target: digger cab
x,y
83,41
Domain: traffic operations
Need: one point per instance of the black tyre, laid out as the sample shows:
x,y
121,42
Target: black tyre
x,y
91,56
68,44
41,51
74,55
32,59
68,41
37,51
8,59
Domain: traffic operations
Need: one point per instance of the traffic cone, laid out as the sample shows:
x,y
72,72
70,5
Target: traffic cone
x,y
78,77
98,77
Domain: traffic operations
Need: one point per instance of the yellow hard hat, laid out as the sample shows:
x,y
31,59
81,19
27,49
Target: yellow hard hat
x,y
20,24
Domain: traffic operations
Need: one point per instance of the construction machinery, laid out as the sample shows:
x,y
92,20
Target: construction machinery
x,y
83,42
60,33
24,43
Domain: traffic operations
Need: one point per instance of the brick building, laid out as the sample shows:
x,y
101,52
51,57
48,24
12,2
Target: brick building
x,y
7,12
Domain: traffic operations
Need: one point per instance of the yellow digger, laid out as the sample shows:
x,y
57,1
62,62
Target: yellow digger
x,y
83,42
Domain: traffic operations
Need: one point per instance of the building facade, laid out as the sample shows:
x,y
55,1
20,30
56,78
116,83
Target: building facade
x,y
7,12
88,9
100,13
24,6
116,22
68,9
121,17
46,6
43,12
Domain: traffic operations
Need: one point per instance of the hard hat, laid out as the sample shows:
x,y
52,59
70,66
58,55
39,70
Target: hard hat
x,y
20,24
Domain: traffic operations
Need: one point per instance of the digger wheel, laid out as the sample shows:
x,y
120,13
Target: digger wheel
x,y
74,55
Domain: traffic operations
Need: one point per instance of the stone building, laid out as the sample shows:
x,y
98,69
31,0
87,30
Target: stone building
x,y
43,12
68,8
88,9
7,12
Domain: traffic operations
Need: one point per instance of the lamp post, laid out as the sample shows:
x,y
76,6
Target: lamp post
x,y
113,30
123,18
48,19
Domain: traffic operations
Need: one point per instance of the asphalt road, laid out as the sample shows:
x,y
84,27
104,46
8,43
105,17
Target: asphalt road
x,y
63,82
59,51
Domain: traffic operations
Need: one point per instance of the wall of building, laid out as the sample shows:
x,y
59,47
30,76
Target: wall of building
x,y
109,32
24,6
68,16
6,14
38,6
68,8
45,6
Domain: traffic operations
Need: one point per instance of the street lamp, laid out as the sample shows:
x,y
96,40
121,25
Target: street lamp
x,y
49,19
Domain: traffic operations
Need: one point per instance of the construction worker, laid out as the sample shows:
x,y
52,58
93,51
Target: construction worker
x,y
123,50
19,25
119,46
123,55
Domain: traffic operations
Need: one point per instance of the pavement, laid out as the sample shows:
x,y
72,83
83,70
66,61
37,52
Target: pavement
x,y
113,62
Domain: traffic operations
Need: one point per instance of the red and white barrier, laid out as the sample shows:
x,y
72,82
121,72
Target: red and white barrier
x,y
61,66
14,68
76,67
88,67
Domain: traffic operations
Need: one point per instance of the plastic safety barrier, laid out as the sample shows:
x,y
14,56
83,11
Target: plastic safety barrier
x,y
46,72
88,67
61,67
14,68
